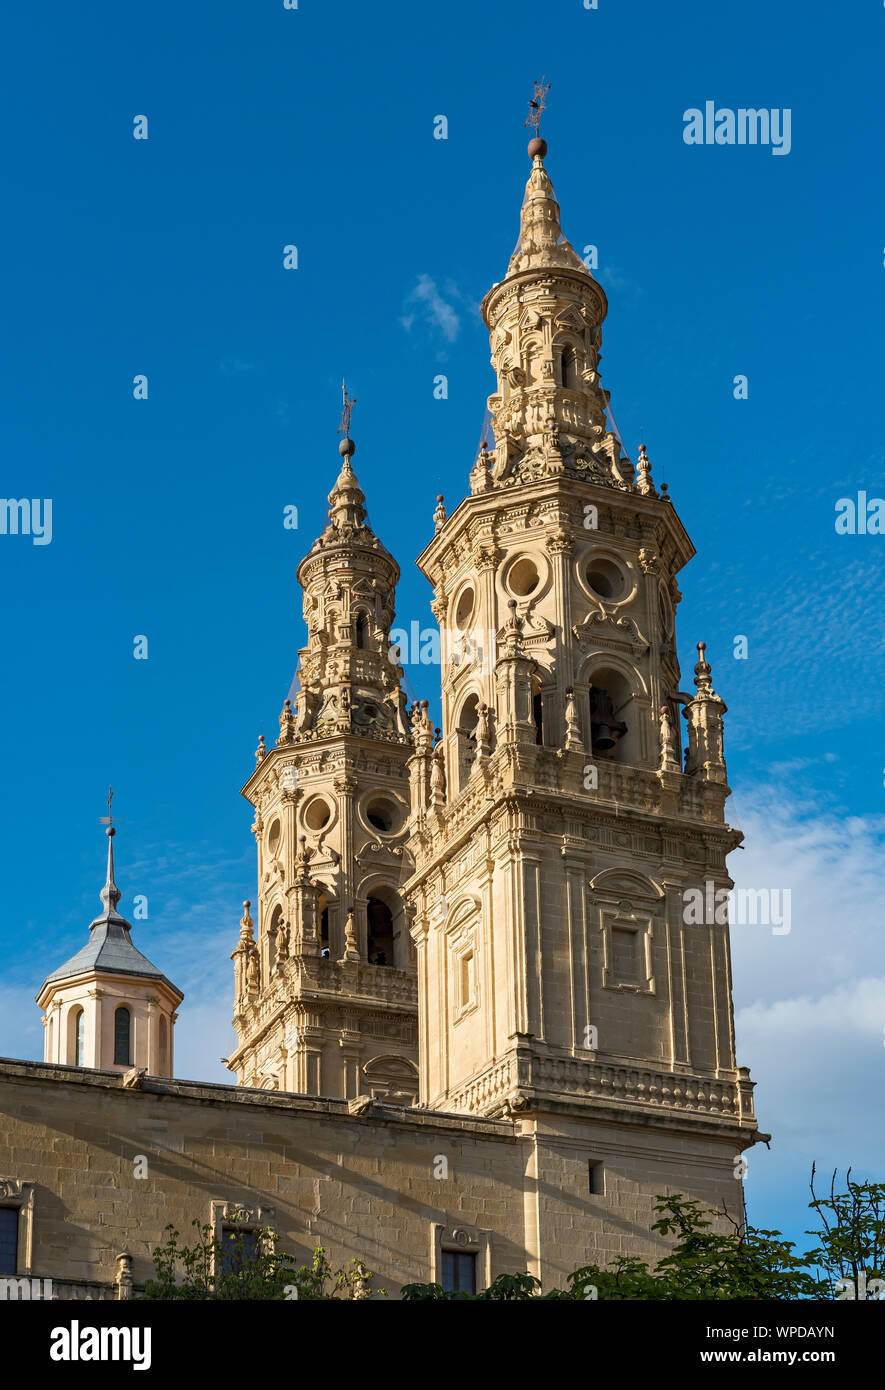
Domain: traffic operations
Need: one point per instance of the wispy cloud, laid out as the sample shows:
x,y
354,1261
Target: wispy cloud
x,y
427,303
238,366
800,627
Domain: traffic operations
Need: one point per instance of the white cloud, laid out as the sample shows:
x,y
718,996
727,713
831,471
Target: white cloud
x,y
428,302
810,1006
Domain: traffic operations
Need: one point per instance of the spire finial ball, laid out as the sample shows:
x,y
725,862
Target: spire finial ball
x,y
346,448
111,831
702,646
537,148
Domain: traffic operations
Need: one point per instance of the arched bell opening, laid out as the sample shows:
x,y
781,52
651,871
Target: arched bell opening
x,y
611,716
379,922
538,709
323,925
387,938
466,736
273,936
361,632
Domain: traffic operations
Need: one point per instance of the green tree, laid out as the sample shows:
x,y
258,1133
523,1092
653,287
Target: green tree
x,y
852,1236
248,1267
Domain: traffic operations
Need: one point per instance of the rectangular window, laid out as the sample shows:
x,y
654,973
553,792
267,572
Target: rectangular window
x,y
597,1179
238,1249
625,965
459,1271
466,979
8,1240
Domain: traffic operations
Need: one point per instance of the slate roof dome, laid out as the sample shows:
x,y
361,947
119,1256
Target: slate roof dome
x,y
109,949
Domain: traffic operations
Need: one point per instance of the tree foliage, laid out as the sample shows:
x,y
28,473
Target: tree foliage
x,y
248,1267
713,1257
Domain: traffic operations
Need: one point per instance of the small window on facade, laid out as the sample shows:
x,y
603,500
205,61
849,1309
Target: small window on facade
x,y
569,368
459,1271
466,978
80,1039
362,632
597,1179
122,1035
8,1240
238,1249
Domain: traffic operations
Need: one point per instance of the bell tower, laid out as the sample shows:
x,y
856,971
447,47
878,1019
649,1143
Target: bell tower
x,y
558,980
325,991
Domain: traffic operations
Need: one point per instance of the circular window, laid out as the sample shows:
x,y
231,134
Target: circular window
x,y
317,813
383,814
273,837
522,577
605,578
464,608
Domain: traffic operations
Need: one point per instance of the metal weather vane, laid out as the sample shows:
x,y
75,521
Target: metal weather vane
x,y
109,818
349,403
537,105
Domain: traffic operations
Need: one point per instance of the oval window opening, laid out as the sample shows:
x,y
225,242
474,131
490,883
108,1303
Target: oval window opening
x,y
317,814
605,578
523,578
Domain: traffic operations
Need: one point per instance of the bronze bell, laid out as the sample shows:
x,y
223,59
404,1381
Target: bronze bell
x,y
605,730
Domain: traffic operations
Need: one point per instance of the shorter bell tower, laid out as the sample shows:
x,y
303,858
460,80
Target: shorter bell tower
x,y
325,989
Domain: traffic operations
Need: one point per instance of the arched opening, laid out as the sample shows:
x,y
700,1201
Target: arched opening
x,y
379,919
122,1037
466,735
361,632
538,709
394,1079
323,907
568,368
273,932
72,1046
610,699
389,942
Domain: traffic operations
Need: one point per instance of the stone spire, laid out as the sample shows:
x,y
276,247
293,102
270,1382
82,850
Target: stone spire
x,y
348,682
110,894
545,328
541,242
347,502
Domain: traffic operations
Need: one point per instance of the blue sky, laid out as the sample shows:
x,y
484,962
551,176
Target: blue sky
x,y
314,127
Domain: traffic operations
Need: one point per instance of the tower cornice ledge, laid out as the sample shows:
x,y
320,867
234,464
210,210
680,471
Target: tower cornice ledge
x,y
501,499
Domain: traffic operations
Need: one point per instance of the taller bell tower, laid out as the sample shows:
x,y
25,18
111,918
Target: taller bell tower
x,y
325,999
559,983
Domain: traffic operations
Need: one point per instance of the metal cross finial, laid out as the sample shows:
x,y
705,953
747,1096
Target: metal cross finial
x,y
537,105
349,403
109,818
